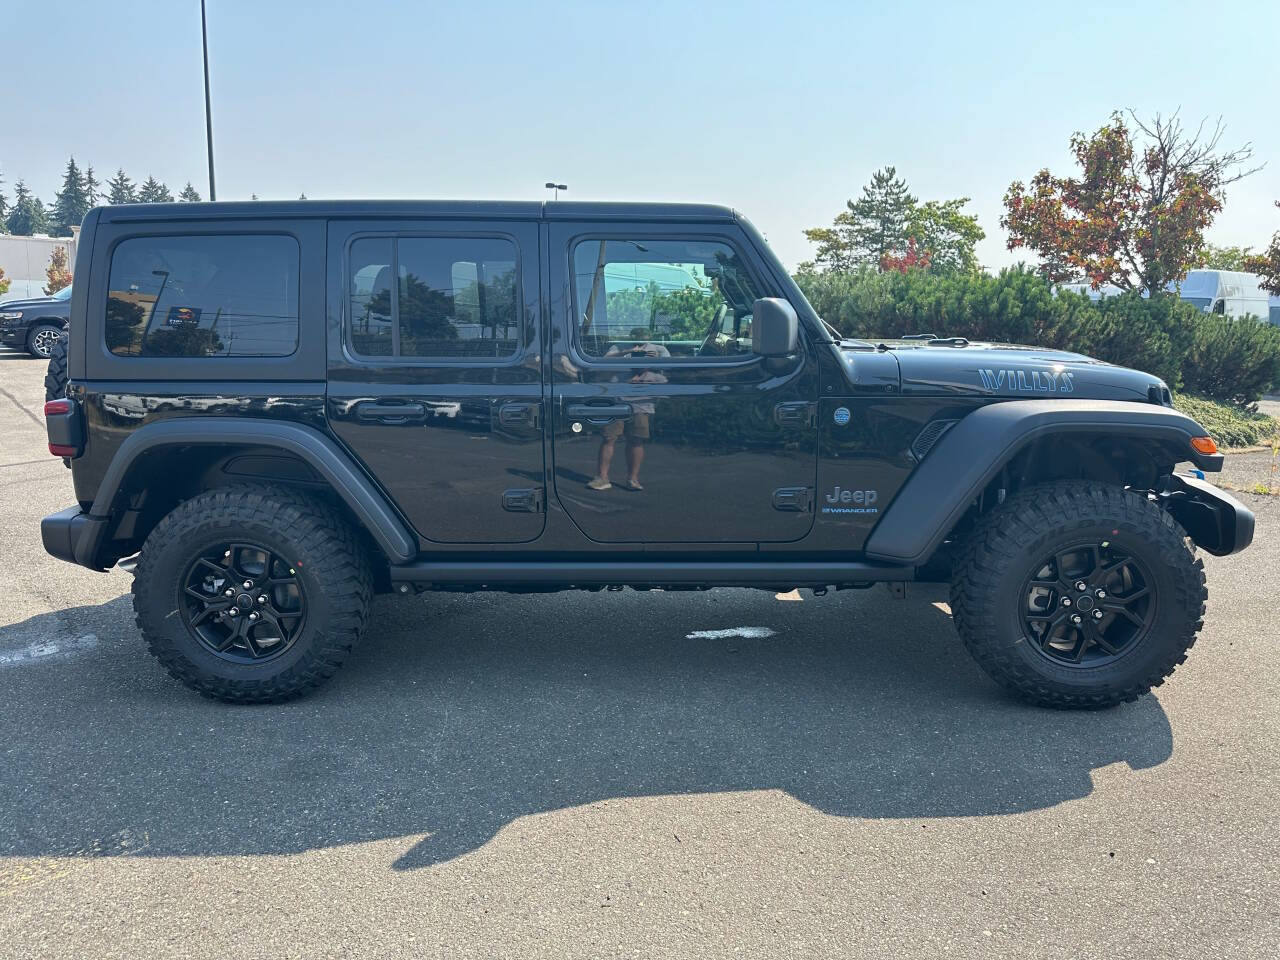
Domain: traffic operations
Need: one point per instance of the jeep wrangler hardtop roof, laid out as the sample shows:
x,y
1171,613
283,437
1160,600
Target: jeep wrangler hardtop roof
x,y
455,209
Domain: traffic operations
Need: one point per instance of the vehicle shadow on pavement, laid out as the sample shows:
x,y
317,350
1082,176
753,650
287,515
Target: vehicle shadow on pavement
x,y
462,713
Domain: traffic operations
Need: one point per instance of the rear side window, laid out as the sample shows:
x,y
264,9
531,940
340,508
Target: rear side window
x,y
203,296
445,298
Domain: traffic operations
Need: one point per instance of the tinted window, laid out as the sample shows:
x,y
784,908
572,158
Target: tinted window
x,y
691,297
203,296
453,297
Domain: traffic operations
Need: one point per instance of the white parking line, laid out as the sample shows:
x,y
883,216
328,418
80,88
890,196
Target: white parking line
x,y
751,633
40,650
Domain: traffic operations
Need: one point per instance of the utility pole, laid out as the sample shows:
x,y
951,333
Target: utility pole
x,y
208,112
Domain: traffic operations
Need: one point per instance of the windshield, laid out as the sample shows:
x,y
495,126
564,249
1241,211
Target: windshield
x,y
63,294
1201,302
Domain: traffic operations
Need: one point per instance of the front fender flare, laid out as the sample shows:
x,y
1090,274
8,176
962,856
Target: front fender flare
x,y
348,481
972,453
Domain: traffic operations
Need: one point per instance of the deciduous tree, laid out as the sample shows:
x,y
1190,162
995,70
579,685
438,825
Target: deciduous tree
x,y
1267,264
1213,257
1136,215
58,272
4,282
945,236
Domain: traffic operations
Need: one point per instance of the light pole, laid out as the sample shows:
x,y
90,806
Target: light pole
x,y
551,185
208,113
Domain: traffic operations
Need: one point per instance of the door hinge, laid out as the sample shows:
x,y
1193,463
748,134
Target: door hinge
x,y
522,500
798,413
793,499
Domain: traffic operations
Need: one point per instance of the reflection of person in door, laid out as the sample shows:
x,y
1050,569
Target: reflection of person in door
x,y
636,429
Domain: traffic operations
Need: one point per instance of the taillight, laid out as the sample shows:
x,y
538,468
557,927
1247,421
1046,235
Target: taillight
x,y
62,419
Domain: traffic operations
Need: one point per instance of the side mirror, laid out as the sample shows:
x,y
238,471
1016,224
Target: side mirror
x,y
775,329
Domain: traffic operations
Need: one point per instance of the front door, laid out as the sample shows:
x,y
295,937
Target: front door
x,y
435,371
667,428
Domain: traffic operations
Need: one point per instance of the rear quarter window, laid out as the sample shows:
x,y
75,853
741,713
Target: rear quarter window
x,y
209,295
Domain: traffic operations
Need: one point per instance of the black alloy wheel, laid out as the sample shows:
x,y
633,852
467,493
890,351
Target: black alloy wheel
x,y
1088,604
243,603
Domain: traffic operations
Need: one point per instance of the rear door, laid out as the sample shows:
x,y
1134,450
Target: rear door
x,y
435,371
667,428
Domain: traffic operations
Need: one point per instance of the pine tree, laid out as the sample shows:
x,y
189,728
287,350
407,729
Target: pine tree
x,y
153,191
189,194
302,196
58,272
121,189
92,187
27,215
872,227
71,203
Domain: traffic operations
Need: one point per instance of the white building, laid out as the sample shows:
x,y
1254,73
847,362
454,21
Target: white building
x,y
25,260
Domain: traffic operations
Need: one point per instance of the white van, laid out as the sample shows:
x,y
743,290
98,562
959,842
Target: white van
x,y
1227,292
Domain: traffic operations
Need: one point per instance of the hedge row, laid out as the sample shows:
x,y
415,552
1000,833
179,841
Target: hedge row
x,y
1215,356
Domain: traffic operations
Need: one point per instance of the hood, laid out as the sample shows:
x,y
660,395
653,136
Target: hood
x,y
29,302
1011,370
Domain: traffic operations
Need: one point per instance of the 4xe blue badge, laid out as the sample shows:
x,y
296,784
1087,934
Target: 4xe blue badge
x,y
841,416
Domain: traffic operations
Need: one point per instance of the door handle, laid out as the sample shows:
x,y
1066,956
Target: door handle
x,y
794,414
391,412
598,412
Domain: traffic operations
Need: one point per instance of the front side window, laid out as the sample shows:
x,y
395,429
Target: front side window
x,y
203,296
691,298
438,297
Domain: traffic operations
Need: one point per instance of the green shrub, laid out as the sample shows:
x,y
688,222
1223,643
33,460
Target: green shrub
x,y
1232,359
1228,424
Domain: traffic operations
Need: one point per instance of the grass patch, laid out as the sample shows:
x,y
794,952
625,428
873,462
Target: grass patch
x,y
1228,424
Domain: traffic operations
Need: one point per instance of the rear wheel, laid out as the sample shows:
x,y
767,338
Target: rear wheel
x,y
252,594
42,338
1078,594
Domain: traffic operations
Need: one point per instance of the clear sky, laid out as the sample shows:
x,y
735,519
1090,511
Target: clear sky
x,y
782,110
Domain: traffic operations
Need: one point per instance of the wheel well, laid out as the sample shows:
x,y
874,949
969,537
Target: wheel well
x,y
1117,459
162,478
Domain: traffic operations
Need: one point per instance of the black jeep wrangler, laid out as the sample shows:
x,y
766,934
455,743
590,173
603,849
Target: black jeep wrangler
x,y
283,408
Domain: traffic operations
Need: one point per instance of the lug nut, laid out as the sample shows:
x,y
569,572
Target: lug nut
x,y
262,598
1075,618
248,584
1100,594
229,593
253,616
1097,614
1066,601
233,612
1080,585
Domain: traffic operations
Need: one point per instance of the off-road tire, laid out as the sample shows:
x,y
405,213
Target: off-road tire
x,y
332,568
55,378
994,561
39,334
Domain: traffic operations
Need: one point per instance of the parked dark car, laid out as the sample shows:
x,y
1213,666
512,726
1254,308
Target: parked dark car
x,y
275,410
35,325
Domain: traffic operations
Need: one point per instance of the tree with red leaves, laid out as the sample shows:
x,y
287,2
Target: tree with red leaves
x,y
1136,215
913,258
1267,264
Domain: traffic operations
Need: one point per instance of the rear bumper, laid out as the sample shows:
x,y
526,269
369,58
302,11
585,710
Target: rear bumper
x,y
1214,519
74,536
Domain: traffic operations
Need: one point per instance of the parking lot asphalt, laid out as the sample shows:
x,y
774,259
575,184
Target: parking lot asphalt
x,y
621,774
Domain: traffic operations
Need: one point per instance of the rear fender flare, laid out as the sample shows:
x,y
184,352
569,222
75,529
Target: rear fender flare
x,y
369,505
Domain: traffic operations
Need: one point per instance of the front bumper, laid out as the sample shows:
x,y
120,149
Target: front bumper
x,y
1213,518
74,536
13,335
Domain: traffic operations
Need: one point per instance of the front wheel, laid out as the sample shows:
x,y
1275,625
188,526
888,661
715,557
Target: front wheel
x,y
42,338
252,594
1078,594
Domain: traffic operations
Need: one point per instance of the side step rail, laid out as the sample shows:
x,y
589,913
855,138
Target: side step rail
x,y
582,573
